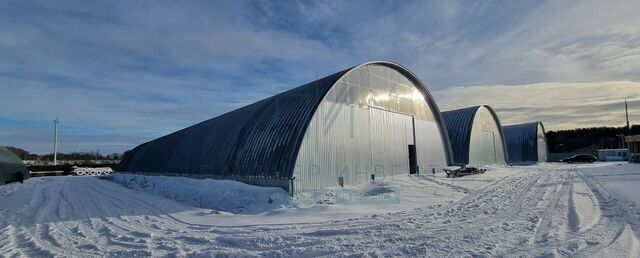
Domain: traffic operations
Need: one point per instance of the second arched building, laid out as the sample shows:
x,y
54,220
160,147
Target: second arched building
x,y
476,136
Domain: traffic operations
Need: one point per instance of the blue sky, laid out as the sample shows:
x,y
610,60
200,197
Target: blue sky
x,y
120,73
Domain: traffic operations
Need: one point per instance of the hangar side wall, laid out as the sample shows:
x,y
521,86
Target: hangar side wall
x,y
486,145
542,143
364,126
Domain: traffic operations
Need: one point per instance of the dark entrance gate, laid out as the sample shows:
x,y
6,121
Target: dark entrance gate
x,y
413,160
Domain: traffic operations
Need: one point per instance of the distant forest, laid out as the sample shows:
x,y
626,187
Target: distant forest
x,y
86,156
593,137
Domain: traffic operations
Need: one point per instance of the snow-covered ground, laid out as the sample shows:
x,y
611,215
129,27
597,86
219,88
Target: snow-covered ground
x,y
544,210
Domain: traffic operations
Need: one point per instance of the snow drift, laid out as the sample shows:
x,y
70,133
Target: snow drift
x,y
219,195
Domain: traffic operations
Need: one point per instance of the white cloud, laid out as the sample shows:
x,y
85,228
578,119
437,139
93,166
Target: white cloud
x,y
457,43
557,105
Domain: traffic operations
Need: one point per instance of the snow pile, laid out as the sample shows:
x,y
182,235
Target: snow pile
x,y
377,192
219,195
92,171
226,202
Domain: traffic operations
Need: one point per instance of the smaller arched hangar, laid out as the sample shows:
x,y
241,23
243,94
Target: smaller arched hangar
x,y
476,136
526,142
10,165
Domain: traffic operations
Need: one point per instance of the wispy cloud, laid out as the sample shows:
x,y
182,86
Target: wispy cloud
x,y
131,71
557,105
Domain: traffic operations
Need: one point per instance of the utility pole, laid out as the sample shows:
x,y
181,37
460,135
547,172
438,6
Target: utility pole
x,y
55,140
626,113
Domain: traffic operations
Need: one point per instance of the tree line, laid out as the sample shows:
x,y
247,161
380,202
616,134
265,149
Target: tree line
x,y
85,156
596,137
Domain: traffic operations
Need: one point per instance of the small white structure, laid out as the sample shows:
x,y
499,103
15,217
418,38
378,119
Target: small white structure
x,y
613,155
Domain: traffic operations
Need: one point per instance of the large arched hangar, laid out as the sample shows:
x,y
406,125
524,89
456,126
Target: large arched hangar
x,y
369,121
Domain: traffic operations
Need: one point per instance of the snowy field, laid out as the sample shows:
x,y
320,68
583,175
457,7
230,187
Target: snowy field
x,y
548,210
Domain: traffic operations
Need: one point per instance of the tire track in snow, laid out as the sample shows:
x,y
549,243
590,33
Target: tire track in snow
x,y
551,226
611,224
603,234
451,230
121,226
270,238
573,219
500,219
49,220
453,187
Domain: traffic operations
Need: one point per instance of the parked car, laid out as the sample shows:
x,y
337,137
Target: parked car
x,y
580,158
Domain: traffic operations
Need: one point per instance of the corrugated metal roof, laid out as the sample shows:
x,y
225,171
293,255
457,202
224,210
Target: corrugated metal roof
x,y
258,141
255,141
522,142
459,123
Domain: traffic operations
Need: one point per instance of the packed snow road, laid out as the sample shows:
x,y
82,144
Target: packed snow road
x,y
545,210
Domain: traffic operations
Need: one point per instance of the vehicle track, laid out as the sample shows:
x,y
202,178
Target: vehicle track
x,y
524,214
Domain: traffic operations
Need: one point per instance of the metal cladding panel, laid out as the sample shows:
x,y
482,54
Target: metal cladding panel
x,y
352,143
260,140
459,124
10,164
391,133
364,126
522,142
486,144
542,143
